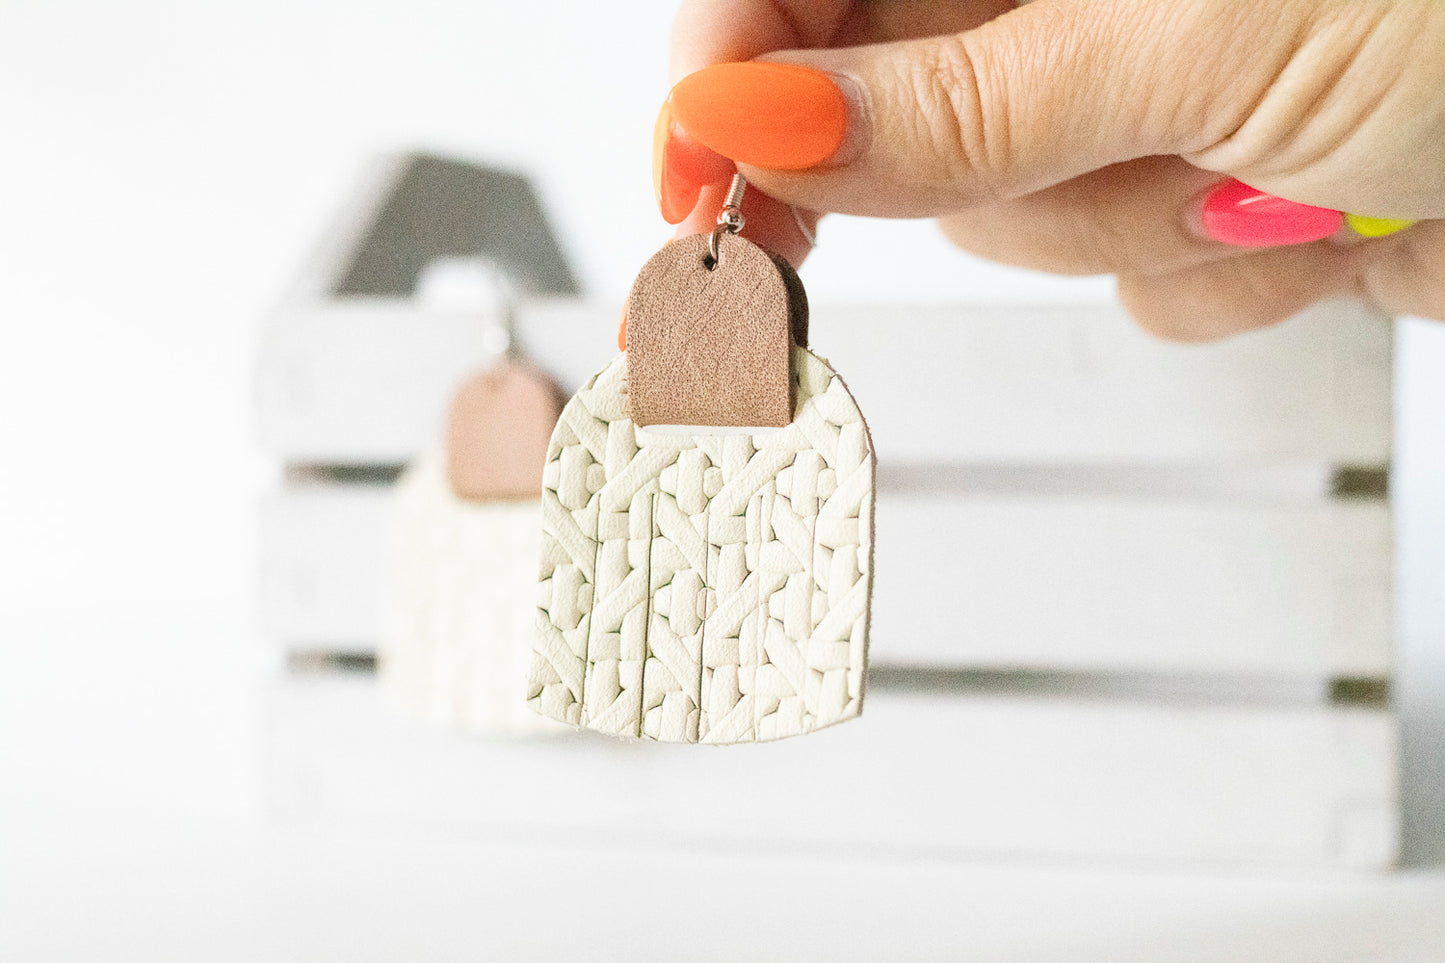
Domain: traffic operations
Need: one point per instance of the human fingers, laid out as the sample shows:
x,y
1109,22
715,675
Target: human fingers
x,y
1405,273
1150,216
690,179
1213,300
1138,216
1306,99
707,32
1148,221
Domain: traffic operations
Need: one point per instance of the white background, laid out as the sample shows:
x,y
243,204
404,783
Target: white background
x,y
163,168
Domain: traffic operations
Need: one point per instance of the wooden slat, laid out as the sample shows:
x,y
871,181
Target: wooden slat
x,y
322,567
1084,582
1092,582
366,380
1088,386
945,774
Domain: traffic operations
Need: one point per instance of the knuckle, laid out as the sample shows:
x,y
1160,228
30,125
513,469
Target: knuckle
x,y
952,124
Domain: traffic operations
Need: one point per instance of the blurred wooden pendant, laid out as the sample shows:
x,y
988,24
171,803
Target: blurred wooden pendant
x,y
497,432
702,585
464,536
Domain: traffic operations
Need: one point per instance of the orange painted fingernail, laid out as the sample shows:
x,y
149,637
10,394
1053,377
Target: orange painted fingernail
x,y
682,167
780,116
676,193
622,330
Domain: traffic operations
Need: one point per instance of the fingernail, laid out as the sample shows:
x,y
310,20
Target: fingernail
x,y
682,167
1375,226
622,330
779,116
1235,213
676,193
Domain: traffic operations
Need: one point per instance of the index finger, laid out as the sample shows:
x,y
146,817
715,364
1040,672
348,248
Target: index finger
x,y
707,32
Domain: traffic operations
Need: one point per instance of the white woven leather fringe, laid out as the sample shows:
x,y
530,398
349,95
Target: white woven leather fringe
x,y
708,587
458,609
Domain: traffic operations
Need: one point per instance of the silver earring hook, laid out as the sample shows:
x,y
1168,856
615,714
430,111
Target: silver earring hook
x,y
502,337
730,219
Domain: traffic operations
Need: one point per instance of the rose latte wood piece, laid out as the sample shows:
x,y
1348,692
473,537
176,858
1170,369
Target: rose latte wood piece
x,y
497,432
711,346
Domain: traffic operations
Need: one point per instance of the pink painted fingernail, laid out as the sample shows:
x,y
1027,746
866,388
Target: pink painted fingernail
x,y
1235,213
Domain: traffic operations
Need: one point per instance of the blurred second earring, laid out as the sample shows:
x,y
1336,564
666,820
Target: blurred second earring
x,y
462,582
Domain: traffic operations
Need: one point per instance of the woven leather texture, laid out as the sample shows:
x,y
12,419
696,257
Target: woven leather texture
x,y
705,587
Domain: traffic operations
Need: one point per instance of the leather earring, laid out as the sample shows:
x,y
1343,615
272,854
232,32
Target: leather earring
x,y
701,584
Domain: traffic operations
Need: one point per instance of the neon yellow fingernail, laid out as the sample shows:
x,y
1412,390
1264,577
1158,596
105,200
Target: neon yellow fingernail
x,y
1375,226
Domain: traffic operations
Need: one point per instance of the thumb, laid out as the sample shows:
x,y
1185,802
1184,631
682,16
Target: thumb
x,y
1037,96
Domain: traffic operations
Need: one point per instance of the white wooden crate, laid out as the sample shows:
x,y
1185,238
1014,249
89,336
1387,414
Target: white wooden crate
x,y
1296,585
1172,509
1163,524
364,382
956,774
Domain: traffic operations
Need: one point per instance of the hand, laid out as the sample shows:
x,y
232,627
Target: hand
x,y
1087,137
